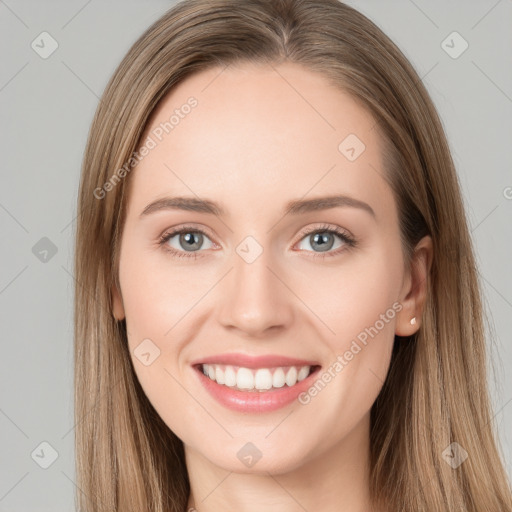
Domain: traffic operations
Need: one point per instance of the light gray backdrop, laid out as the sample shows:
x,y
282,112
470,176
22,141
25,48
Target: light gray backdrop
x,y
47,101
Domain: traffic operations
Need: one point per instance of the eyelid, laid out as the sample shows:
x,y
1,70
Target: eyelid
x,y
175,230
322,228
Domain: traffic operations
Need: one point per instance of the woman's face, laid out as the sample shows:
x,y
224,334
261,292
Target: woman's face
x,y
249,276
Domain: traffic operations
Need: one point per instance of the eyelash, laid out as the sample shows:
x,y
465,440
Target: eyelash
x,y
349,241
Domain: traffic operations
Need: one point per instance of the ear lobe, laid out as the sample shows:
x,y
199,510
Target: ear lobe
x,y
414,296
117,304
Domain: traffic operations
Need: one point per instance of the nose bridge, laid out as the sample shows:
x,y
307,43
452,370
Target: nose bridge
x,y
253,298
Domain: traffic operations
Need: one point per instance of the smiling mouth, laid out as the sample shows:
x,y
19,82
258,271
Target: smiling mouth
x,y
260,380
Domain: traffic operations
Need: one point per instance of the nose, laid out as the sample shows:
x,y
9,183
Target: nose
x,y
255,297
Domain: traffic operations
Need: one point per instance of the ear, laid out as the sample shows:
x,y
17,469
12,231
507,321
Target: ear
x,y
414,291
117,304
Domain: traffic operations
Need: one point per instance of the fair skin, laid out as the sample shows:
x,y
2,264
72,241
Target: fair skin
x,y
258,139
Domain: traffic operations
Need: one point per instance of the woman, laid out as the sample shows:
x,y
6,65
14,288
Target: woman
x,y
222,362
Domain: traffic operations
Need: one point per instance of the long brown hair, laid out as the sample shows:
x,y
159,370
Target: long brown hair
x,y
435,393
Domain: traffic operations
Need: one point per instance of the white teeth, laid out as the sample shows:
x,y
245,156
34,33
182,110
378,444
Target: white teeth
x,y
261,379
219,375
278,379
230,376
303,373
291,376
244,379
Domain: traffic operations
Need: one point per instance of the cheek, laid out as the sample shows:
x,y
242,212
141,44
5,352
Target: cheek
x,y
156,294
153,305
361,305
354,295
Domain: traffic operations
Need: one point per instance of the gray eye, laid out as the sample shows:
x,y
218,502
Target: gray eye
x,y
321,241
189,241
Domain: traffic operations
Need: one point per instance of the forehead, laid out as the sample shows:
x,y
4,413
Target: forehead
x,y
250,134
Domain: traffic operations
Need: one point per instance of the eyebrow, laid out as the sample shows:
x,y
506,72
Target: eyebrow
x,y
295,207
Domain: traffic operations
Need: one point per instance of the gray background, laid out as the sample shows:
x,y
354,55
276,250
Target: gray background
x,y
46,106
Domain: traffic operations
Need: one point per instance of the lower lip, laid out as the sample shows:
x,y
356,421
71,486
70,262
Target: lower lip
x,y
255,401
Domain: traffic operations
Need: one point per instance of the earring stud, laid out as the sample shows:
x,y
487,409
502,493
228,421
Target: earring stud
x,y
413,321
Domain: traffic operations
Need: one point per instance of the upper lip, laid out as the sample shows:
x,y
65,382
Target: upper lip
x,y
247,361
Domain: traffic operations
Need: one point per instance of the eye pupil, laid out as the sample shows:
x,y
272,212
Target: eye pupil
x,y
322,239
